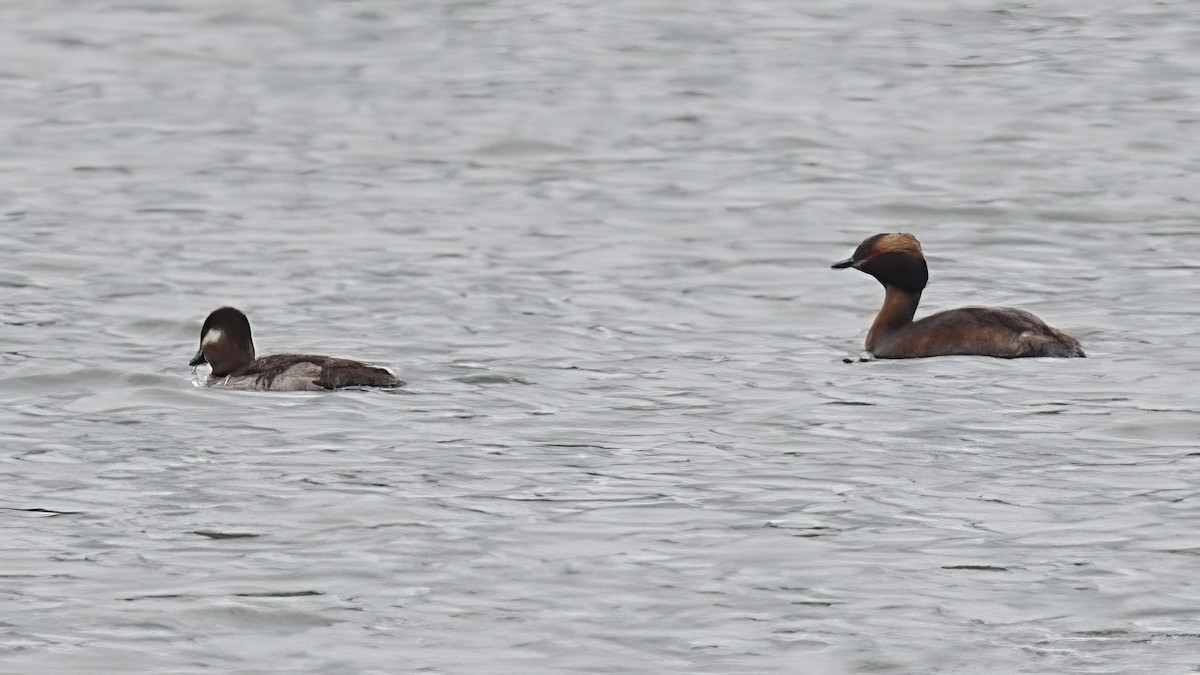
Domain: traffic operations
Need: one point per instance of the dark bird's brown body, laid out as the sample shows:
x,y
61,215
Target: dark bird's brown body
x,y
226,345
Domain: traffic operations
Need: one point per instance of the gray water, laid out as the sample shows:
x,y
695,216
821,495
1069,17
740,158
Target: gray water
x,y
595,238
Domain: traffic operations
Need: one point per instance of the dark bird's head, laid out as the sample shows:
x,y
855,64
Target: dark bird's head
x,y
225,342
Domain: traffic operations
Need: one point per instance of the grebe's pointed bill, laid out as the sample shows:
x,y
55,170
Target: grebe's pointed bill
x,y
848,262
198,358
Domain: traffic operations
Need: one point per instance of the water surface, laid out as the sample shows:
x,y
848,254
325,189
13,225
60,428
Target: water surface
x,y
595,240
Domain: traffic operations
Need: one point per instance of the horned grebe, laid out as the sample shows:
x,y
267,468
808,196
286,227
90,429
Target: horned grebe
x,y
895,260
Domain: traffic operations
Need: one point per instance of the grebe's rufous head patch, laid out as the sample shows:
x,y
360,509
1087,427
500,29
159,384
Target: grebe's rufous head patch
x,y
893,259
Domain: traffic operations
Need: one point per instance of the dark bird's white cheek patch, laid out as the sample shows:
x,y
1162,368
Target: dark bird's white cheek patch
x,y
212,337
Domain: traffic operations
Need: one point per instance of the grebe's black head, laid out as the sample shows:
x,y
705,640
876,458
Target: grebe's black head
x,y
225,342
893,259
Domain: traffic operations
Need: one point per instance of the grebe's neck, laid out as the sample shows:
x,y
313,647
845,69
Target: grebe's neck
x,y
899,307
